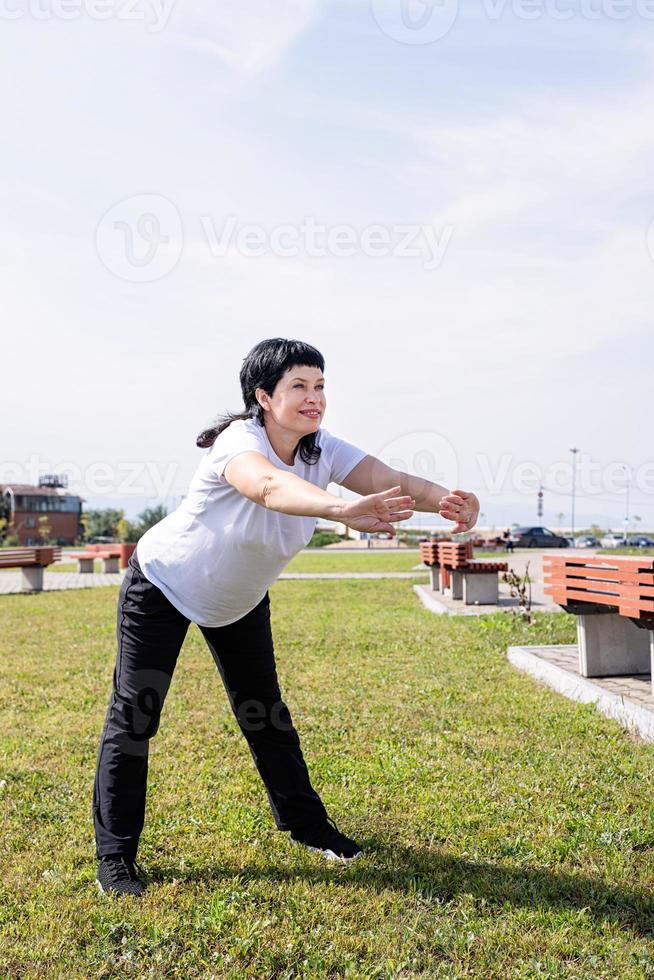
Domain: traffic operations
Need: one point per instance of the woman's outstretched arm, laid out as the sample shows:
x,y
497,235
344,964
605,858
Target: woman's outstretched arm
x,y
372,474
254,476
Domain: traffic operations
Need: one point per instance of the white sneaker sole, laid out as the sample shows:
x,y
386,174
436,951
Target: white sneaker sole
x,y
330,855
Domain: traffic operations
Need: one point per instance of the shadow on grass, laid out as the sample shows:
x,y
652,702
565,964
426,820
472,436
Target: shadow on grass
x,y
440,878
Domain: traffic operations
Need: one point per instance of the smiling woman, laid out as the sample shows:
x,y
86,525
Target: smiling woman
x,y
251,506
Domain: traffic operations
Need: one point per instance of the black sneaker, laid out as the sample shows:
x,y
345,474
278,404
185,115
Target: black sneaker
x,y
119,875
326,838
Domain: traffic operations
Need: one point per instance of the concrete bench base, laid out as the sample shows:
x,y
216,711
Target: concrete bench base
x,y
32,578
610,644
110,565
475,588
85,565
481,588
435,577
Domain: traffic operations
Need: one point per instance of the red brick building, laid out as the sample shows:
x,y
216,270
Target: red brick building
x,y
50,499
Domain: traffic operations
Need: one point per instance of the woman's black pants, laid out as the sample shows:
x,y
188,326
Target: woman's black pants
x,y
150,635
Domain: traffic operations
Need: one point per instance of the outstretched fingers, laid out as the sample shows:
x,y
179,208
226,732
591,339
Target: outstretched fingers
x,y
400,515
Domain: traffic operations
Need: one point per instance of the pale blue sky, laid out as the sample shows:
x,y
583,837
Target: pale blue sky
x,y
530,140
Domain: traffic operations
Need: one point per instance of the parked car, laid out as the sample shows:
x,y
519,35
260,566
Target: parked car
x,y
614,539
640,541
537,537
586,541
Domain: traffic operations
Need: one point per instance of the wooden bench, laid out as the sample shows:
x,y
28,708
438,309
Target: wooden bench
x,y
31,562
453,567
613,600
85,561
121,550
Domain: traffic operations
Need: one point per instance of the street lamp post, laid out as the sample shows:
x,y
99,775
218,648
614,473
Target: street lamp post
x,y
626,513
574,474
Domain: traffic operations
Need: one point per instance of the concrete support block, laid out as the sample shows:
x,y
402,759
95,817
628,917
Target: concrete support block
x,y
32,578
110,565
456,579
610,644
435,577
480,588
84,565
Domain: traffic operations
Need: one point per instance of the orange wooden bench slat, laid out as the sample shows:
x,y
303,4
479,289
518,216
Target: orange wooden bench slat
x,y
618,581
23,557
562,597
624,583
590,583
604,588
622,562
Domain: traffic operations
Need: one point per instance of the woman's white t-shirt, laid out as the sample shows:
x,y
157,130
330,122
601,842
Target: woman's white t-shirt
x,y
216,555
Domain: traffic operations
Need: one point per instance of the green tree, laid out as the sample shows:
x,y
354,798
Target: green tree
x,y
127,531
5,517
84,523
103,523
151,516
44,529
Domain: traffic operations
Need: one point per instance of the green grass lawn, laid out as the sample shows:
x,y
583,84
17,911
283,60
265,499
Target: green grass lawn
x,y
627,551
508,831
367,561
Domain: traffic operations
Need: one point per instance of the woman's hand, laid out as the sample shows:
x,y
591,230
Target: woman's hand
x,y
461,507
376,511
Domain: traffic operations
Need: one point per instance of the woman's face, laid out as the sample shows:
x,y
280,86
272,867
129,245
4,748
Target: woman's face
x,y
298,401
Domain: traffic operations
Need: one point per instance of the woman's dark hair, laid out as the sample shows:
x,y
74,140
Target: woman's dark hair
x,y
263,367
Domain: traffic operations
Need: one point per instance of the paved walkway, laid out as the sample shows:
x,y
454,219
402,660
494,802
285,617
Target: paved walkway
x,y
439,603
627,698
636,687
11,582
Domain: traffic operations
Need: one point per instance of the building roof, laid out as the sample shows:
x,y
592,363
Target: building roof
x,y
28,490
